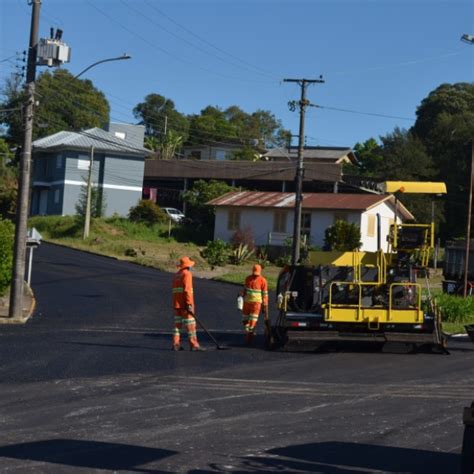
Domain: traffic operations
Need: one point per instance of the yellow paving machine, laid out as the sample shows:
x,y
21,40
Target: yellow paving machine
x,y
364,296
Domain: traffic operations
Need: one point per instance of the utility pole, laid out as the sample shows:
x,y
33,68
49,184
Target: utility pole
x,y
303,103
19,251
468,226
87,217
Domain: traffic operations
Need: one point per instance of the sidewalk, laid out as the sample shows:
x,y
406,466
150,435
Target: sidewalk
x,y
29,304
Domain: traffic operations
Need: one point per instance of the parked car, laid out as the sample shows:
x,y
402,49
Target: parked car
x,y
174,214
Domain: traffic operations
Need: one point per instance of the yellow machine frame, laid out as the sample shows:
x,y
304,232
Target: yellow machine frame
x,y
373,316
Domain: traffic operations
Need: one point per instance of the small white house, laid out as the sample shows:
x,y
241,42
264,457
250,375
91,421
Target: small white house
x,y
269,216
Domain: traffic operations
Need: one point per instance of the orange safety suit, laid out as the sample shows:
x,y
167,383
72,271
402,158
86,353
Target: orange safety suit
x,y
183,305
255,295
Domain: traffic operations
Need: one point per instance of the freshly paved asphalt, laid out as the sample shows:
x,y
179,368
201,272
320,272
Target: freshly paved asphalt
x,y
90,385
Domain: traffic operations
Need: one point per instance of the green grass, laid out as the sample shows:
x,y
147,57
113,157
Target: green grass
x,y
456,328
150,245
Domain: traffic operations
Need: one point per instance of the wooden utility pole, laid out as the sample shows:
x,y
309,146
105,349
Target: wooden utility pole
x,y
19,249
468,226
87,216
303,103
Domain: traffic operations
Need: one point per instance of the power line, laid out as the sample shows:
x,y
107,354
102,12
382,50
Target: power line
x,y
190,43
168,53
362,113
217,48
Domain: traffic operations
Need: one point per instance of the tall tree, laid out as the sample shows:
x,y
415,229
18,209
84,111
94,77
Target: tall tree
x,y
157,112
260,128
63,103
369,155
445,124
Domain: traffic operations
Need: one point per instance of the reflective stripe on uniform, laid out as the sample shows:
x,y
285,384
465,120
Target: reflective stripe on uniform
x,y
253,296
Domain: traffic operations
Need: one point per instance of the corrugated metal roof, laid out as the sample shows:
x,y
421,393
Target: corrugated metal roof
x,y
316,153
310,201
93,137
239,170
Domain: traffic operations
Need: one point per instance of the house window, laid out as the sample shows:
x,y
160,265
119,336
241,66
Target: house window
x,y
195,155
306,223
340,216
220,155
56,196
279,221
370,225
59,161
233,222
83,164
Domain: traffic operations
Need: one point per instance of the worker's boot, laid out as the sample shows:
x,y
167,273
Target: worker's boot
x,y
177,348
249,339
197,349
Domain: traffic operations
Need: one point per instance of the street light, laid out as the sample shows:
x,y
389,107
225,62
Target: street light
x,y
470,40
118,58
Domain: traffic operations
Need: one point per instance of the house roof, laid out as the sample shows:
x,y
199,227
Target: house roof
x,y
95,137
317,153
349,202
240,170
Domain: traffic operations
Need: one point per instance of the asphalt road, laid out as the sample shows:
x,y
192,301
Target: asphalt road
x,y
90,385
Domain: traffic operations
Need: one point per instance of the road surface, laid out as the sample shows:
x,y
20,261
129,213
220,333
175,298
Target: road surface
x,y
90,385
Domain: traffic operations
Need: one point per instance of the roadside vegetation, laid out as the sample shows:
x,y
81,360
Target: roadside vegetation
x,y
456,312
6,254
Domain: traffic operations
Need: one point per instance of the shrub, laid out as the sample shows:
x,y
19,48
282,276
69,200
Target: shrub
x,y
216,253
342,236
262,256
6,254
98,202
147,212
241,254
56,227
455,309
243,237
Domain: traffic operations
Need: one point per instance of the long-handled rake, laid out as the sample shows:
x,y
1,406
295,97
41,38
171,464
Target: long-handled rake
x,y
218,346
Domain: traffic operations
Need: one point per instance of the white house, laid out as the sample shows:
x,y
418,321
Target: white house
x,y
270,215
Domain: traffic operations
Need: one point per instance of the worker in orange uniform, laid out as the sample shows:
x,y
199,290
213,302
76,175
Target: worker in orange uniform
x,y
255,295
183,305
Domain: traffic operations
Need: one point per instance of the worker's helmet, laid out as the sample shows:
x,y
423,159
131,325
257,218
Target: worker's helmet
x,y
185,262
257,269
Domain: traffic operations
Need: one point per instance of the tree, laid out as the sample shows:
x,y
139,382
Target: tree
x,y
155,111
64,103
171,143
445,124
258,129
197,197
369,155
211,125
8,181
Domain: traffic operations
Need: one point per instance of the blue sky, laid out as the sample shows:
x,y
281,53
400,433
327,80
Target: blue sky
x,y
380,57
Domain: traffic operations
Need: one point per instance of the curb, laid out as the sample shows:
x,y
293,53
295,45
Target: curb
x,y
29,312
